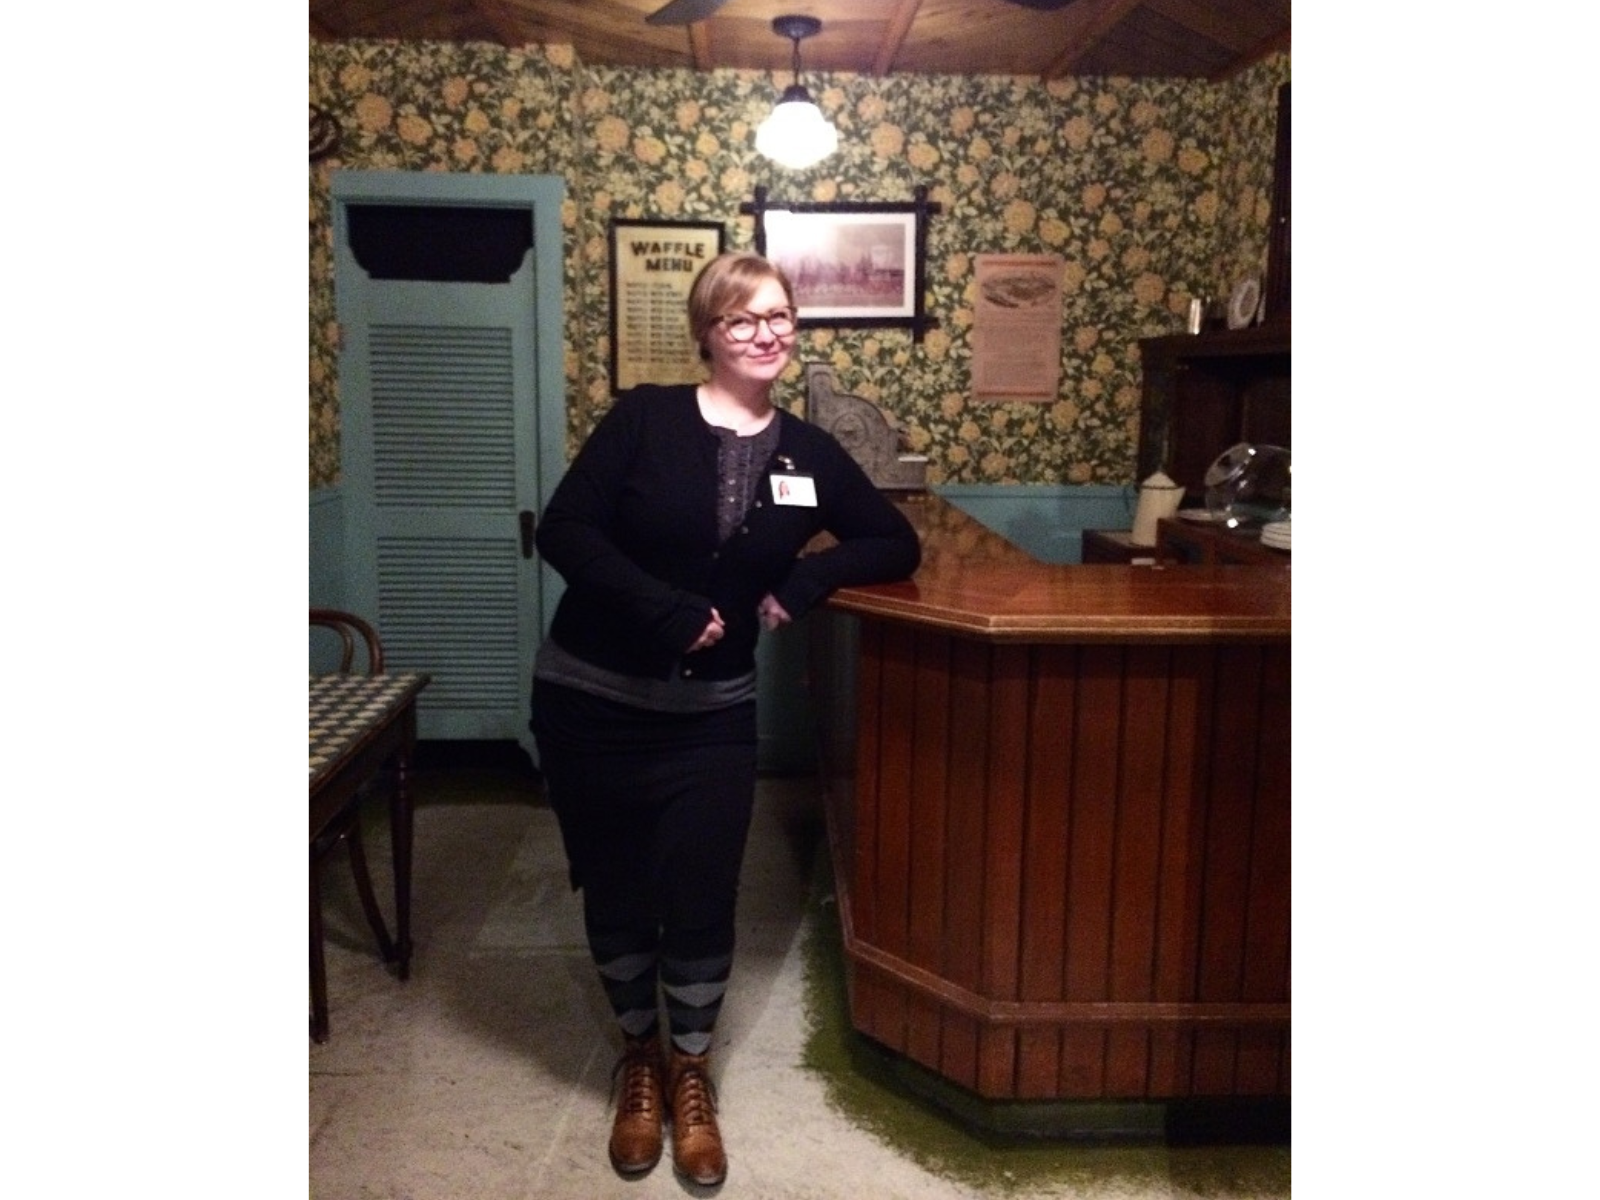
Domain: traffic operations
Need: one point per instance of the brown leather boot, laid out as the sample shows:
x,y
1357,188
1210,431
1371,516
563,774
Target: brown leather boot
x,y
696,1141
636,1080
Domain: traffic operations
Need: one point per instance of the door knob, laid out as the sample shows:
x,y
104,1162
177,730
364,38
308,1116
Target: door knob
x,y
525,520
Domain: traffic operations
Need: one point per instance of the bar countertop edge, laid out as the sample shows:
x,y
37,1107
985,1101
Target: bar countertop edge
x,y
974,582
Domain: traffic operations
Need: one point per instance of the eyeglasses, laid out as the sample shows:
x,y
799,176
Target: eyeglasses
x,y
741,327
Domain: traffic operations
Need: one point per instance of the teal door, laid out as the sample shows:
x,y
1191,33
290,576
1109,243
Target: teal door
x,y
452,435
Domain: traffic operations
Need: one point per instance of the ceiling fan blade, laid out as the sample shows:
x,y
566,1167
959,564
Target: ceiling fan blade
x,y
1043,5
684,12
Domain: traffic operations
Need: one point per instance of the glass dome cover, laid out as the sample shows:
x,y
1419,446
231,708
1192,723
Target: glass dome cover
x,y
1248,486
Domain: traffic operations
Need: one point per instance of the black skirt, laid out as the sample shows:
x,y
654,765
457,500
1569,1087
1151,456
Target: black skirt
x,y
653,806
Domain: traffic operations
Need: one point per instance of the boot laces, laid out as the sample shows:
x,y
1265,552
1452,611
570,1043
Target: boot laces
x,y
638,1092
694,1100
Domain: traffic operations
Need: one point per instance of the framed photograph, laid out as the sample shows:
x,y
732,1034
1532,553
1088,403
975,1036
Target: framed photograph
x,y
850,264
653,266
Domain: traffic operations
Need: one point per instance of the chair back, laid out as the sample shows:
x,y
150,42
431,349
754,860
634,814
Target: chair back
x,y
352,631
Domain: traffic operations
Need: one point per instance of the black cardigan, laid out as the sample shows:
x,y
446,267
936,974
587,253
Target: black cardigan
x,y
632,528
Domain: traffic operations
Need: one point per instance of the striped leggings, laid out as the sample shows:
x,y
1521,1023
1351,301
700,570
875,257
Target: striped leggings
x,y
654,810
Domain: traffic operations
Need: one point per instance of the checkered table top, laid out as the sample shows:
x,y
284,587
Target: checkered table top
x,y
346,707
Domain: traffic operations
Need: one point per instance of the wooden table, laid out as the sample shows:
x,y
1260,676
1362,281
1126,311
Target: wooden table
x,y
362,725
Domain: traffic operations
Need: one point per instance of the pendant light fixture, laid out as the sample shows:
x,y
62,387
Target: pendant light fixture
x,y
796,134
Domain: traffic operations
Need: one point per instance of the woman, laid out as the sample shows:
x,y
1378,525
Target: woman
x,y
679,529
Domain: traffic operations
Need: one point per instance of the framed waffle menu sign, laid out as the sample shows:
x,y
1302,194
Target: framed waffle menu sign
x,y
653,266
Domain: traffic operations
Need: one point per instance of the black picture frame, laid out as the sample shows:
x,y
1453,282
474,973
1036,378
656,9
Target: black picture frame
x,y
653,266
852,264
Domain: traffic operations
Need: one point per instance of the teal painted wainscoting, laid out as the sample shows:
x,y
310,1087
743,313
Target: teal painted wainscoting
x,y
327,549
327,569
1046,520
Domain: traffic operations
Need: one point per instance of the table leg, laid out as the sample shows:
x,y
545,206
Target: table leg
x,y
354,842
400,825
319,965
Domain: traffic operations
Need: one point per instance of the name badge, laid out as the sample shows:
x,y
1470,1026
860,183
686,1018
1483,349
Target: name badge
x,y
794,489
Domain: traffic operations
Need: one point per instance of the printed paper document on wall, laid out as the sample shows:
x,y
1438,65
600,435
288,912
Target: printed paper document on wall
x,y
1016,334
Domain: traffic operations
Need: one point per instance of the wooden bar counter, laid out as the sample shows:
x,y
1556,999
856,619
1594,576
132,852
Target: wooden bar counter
x,y
1058,806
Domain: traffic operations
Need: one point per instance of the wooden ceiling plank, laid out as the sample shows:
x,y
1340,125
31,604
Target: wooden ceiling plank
x,y
605,34
1277,43
428,17
1096,18
1166,40
905,12
1135,50
962,37
903,37
510,30
361,18
1208,20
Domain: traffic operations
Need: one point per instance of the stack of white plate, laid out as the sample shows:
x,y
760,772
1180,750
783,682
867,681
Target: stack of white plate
x,y
1276,535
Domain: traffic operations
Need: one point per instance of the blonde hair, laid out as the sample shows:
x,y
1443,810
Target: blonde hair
x,y
726,284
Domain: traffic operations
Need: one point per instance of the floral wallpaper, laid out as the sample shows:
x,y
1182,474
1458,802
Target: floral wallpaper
x,y
1152,191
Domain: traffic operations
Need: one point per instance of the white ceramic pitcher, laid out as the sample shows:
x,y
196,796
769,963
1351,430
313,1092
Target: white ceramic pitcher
x,y
1159,497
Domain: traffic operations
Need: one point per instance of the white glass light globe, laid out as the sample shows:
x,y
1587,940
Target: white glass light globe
x,y
796,134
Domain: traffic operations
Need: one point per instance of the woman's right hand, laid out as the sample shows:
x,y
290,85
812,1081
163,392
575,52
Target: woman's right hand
x,y
712,634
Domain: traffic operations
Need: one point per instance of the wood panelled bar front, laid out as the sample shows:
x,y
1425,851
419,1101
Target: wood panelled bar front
x,y
1058,805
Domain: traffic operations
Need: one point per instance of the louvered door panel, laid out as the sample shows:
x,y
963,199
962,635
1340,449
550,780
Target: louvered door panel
x,y
442,424
443,461
443,417
444,604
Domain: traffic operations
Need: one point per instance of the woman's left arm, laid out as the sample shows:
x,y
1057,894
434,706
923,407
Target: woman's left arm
x,y
875,541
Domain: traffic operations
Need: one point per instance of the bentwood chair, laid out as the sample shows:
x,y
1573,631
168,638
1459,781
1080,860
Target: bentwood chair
x,y
354,635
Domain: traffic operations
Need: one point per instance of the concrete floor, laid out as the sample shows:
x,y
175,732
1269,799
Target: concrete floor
x,y
486,1074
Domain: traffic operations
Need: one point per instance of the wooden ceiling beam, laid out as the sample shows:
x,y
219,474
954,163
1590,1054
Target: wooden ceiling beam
x,y
905,12
700,45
